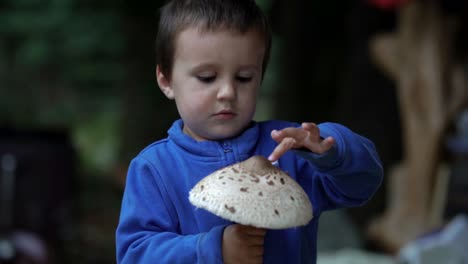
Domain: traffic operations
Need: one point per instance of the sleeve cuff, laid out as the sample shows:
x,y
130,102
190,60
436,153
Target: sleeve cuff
x,y
209,246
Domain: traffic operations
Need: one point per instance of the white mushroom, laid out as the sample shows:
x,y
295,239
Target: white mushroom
x,y
255,193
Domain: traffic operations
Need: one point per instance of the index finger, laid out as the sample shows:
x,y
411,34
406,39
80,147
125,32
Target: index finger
x,y
285,145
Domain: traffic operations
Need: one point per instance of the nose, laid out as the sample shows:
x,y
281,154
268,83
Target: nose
x,y
227,91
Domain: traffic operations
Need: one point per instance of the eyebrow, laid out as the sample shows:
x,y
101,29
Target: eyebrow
x,y
202,66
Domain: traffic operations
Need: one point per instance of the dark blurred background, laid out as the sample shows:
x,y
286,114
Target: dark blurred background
x,y
78,99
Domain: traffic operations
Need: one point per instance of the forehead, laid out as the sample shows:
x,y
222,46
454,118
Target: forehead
x,y
220,43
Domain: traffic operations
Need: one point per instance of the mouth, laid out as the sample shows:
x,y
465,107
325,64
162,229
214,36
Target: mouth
x,y
225,114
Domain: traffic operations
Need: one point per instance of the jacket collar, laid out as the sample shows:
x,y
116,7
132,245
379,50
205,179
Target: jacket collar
x,y
241,146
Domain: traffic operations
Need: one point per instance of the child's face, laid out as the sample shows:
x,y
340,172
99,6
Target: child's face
x,y
215,80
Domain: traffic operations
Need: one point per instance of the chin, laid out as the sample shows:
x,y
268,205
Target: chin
x,y
221,132
230,134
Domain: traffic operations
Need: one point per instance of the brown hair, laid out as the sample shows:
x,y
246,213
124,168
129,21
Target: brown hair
x,y
209,15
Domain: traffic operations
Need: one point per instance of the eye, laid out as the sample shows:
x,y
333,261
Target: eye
x,y
206,79
244,79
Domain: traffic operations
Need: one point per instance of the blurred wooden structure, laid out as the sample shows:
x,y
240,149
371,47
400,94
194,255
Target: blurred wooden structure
x,y
432,88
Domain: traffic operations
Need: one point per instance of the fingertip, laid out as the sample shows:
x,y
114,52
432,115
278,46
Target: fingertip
x,y
276,135
271,158
330,141
308,124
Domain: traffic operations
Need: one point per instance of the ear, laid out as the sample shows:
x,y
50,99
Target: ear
x,y
164,83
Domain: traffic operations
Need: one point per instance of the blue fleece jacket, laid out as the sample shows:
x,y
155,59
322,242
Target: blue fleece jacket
x,y
159,225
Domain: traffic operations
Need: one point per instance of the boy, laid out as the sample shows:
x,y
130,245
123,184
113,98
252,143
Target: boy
x,y
212,55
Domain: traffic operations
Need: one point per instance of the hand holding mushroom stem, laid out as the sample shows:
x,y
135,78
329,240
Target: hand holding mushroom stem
x,y
243,244
307,136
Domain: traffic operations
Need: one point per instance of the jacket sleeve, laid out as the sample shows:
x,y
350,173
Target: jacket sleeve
x,y
348,174
148,227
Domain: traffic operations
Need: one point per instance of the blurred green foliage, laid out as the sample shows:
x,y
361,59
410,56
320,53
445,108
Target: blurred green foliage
x,y
56,56
61,66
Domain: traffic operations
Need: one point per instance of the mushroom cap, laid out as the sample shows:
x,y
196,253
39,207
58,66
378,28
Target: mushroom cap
x,y
253,192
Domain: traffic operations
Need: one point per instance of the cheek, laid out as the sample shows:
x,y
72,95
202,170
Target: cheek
x,y
189,96
193,103
249,97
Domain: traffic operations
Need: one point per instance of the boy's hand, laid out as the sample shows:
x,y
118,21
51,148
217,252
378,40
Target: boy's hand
x,y
307,136
243,244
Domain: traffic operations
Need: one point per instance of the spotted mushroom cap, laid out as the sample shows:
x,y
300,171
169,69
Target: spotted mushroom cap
x,y
255,193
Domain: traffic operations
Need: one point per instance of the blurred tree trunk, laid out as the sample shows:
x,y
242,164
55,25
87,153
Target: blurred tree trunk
x,y
431,87
146,113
